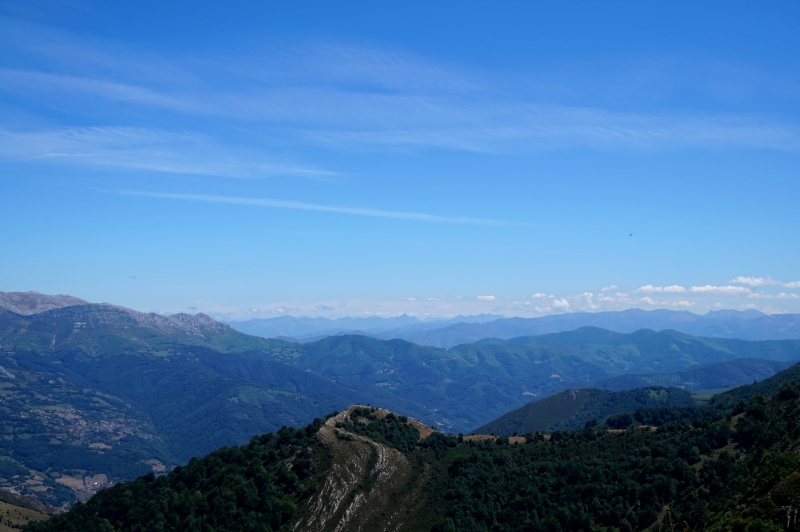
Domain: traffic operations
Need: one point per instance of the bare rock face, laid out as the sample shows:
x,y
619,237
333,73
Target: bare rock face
x,y
28,303
342,504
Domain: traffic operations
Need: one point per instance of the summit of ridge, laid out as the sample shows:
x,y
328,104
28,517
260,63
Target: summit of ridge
x,y
32,302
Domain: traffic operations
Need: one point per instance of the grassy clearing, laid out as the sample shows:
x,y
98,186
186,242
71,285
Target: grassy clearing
x,y
12,517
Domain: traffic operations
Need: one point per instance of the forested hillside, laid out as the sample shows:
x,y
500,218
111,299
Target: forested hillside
x,y
703,468
96,394
572,409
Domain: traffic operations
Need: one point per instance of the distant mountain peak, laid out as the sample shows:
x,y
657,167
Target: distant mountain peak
x,y
198,323
28,303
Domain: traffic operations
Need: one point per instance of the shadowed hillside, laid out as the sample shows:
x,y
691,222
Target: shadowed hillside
x,y
710,468
572,409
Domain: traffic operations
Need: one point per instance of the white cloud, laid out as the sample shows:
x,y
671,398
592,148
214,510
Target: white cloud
x,y
764,281
759,295
754,281
561,304
647,301
684,304
586,300
650,289
787,296
720,290
538,295
607,288
486,298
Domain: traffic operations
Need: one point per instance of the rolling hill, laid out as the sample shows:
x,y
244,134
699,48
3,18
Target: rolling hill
x,y
572,409
748,325
716,375
365,468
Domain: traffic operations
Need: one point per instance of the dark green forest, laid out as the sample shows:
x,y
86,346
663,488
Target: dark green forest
x,y
728,465
573,408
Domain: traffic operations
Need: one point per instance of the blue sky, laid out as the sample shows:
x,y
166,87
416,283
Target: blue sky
x,y
355,158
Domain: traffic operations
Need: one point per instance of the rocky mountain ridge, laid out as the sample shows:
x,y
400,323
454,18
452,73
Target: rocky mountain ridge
x,y
28,303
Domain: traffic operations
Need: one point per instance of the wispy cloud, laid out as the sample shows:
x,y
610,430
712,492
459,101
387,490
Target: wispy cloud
x,y
296,205
154,150
650,289
345,96
764,281
782,295
720,290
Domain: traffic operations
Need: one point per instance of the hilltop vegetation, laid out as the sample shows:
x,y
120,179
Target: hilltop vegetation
x,y
708,468
572,409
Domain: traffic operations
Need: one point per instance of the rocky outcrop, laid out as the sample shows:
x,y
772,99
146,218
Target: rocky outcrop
x,y
28,303
105,315
369,486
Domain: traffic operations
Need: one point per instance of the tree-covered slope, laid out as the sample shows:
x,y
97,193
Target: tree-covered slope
x,y
667,350
572,409
728,374
714,468
468,385
93,395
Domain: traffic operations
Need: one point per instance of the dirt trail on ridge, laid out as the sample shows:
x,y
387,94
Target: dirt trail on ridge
x,y
369,487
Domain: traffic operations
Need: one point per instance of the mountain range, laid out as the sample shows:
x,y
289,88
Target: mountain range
x,y
304,328
747,325
96,393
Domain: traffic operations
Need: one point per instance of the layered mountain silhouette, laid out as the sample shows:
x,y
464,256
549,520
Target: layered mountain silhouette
x,y
113,393
748,325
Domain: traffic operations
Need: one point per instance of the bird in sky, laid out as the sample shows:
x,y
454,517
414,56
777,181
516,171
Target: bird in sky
x,y
630,234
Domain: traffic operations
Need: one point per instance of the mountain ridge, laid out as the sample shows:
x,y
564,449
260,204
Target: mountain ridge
x,y
719,467
28,303
748,324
